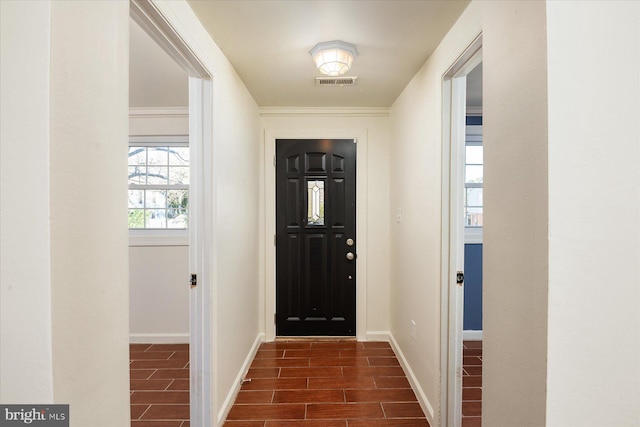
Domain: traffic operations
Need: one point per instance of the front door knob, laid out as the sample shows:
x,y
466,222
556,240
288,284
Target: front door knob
x,y
350,256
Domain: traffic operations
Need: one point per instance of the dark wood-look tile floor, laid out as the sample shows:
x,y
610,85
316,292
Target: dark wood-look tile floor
x,y
159,385
326,384
472,384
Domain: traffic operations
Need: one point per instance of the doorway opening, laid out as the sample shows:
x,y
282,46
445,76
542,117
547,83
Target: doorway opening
x,y
460,206
201,344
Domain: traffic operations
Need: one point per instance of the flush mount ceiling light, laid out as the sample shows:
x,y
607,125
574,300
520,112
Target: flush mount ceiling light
x,y
334,58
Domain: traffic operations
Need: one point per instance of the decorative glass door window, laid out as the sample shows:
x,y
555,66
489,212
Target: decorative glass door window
x,y
315,202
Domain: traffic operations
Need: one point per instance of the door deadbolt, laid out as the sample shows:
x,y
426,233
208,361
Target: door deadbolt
x,y
350,242
350,256
459,277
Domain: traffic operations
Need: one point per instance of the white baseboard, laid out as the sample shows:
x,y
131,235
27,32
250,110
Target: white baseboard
x,y
233,393
159,338
472,335
378,336
420,395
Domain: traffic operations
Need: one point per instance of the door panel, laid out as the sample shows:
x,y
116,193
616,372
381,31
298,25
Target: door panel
x,y
315,203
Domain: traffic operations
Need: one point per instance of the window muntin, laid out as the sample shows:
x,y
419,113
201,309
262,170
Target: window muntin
x,y
158,196
473,178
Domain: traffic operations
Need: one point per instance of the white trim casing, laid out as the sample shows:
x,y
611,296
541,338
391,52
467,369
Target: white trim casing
x,y
158,238
452,238
473,235
159,122
360,135
378,336
472,335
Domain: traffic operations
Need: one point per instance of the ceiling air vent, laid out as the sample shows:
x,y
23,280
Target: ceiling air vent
x,y
336,81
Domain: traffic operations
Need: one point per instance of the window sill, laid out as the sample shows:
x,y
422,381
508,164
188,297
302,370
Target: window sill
x,y
158,238
473,235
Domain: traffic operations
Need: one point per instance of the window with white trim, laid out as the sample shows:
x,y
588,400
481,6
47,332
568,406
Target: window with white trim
x,y
158,196
473,177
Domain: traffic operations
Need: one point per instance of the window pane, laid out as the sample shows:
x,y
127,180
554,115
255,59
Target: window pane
x,y
177,218
179,175
136,218
137,175
137,155
179,156
473,174
157,175
473,217
315,202
474,154
177,199
156,199
156,218
474,197
136,198
158,155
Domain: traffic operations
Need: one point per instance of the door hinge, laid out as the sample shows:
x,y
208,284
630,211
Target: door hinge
x,y
194,280
275,318
275,239
274,160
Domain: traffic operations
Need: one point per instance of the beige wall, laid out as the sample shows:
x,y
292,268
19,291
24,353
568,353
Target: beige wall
x,y
416,142
89,274
159,293
594,213
515,231
25,280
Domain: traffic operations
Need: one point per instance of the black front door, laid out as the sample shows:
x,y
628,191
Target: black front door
x,y
315,237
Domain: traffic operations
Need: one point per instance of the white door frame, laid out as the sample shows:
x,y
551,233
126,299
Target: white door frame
x,y
453,146
360,135
202,343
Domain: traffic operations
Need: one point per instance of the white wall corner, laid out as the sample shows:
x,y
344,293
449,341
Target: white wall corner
x,y
233,393
472,335
426,406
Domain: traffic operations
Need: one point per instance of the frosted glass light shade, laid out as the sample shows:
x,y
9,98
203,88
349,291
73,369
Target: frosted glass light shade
x,y
334,58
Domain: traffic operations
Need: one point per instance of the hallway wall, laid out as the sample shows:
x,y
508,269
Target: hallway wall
x,y
594,213
88,175
516,220
416,140
25,277
235,239
562,229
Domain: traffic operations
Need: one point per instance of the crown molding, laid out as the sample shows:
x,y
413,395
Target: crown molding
x,y
323,112
158,112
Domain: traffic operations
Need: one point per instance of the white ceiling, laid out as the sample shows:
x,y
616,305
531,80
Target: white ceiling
x,y
268,42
